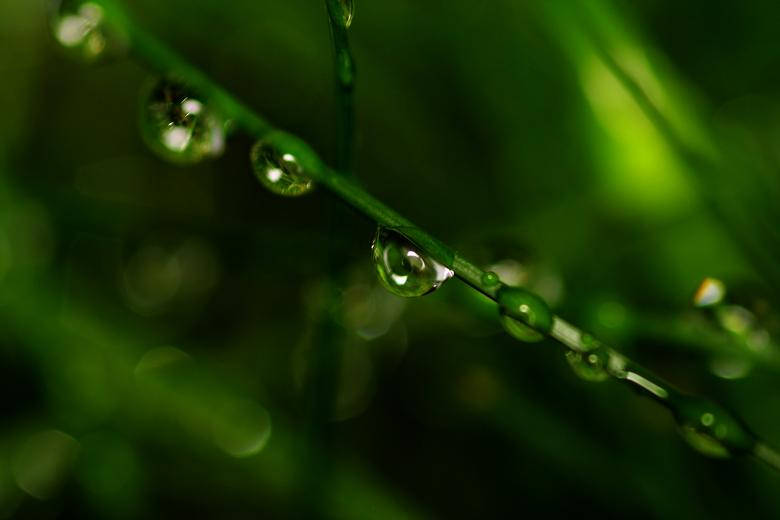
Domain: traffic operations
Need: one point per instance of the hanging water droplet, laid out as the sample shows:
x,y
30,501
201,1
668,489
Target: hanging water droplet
x,y
405,269
280,172
342,12
711,430
178,125
590,366
524,315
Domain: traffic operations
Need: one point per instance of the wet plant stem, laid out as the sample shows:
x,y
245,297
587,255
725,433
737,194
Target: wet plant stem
x,y
344,67
148,49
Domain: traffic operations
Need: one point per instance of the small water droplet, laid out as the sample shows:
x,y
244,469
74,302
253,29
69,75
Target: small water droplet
x,y
280,172
178,125
524,315
711,430
342,11
710,292
490,279
405,269
590,366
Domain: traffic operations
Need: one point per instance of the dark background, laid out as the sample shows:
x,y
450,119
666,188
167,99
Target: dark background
x,y
176,342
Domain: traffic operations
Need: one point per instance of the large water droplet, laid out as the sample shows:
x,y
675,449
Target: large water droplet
x,y
405,269
711,430
280,172
524,315
80,27
342,11
178,125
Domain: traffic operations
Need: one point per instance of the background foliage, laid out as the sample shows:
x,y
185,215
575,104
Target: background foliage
x,y
161,327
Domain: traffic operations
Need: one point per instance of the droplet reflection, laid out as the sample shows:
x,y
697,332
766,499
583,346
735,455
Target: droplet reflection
x,y
403,268
279,172
178,125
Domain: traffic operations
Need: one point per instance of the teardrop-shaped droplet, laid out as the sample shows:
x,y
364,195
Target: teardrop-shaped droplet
x,y
590,366
80,27
524,314
178,124
280,172
404,268
342,12
711,430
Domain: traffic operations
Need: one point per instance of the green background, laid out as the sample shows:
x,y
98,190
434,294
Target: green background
x,y
160,324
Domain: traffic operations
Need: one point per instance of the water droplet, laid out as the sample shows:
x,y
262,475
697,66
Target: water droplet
x,y
710,429
405,269
590,366
490,279
280,172
710,292
524,315
178,125
79,26
342,11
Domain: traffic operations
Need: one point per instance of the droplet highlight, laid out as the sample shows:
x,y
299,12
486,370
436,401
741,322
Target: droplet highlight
x,y
524,314
178,125
279,172
405,269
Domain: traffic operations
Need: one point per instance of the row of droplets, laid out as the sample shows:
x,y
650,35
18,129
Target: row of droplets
x,y
180,126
